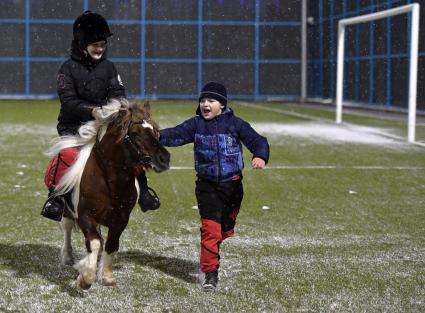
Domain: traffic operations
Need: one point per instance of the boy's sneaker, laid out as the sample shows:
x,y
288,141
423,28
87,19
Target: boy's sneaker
x,y
210,282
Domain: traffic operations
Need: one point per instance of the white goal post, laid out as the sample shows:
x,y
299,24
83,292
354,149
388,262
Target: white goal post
x,y
413,66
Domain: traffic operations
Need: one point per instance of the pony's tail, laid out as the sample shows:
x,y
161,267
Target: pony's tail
x,y
62,142
73,175
86,134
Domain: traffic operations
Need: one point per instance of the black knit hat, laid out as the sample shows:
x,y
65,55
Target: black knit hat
x,y
90,27
214,91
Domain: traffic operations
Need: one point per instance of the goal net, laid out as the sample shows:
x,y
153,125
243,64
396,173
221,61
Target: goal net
x,y
413,59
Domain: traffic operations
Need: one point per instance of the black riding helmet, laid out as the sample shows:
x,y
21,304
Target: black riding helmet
x,y
90,27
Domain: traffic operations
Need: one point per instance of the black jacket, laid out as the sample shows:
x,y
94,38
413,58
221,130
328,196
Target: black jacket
x,y
82,85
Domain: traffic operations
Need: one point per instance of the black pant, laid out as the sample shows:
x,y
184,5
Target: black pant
x,y
217,200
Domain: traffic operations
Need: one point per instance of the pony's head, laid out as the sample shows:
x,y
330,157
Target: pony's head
x,y
140,134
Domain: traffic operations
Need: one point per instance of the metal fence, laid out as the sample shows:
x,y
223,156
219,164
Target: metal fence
x,y
163,49
377,54
167,49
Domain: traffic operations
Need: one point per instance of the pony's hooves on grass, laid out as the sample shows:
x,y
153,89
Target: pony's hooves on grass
x,y
109,283
82,283
68,262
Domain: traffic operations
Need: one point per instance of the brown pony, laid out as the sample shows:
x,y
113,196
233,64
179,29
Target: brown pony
x,y
103,182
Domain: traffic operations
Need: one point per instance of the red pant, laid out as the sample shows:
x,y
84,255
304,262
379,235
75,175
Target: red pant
x,y
60,163
211,238
58,166
219,205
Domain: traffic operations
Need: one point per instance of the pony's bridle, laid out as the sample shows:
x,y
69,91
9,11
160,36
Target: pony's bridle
x,y
143,158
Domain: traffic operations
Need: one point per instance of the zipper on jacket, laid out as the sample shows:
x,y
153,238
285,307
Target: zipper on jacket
x,y
218,150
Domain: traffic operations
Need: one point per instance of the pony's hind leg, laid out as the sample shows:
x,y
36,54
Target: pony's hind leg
x,y
66,253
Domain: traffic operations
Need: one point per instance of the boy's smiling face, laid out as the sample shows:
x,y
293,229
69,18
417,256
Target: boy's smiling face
x,y
210,108
96,49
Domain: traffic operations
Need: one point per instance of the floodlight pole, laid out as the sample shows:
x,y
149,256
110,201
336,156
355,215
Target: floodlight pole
x,y
413,64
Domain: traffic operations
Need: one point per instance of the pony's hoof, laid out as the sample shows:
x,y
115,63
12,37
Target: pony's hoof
x,y
66,257
82,283
68,262
109,282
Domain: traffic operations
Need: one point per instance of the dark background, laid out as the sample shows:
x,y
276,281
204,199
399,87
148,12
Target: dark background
x,y
168,49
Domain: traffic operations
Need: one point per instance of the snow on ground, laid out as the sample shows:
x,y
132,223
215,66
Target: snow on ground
x,y
27,129
317,131
327,132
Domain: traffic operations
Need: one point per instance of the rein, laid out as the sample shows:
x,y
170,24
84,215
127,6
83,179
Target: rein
x,y
144,159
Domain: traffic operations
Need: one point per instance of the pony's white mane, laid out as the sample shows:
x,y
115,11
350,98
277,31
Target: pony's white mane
x,y
85,139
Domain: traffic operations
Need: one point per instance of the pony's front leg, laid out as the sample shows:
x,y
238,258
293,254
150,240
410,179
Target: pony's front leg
x,y
106,276
66,253
87,266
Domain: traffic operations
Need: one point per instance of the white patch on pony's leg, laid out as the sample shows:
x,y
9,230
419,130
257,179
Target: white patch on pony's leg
x,y
66,253
136,183
105,275
75,199
87,266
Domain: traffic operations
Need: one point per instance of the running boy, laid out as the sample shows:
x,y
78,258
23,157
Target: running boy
x,y
86,81
217,135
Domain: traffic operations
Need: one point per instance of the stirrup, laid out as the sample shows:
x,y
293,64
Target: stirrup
x,y
155,203
154,193
58,205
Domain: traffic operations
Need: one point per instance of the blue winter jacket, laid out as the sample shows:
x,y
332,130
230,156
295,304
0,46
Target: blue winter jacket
x,y
217,144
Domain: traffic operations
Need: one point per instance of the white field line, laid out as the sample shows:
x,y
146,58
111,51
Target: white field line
x,y
285,112
320,167
328,121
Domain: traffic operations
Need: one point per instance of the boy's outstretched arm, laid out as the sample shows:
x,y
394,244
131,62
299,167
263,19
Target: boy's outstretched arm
x,y
178,135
